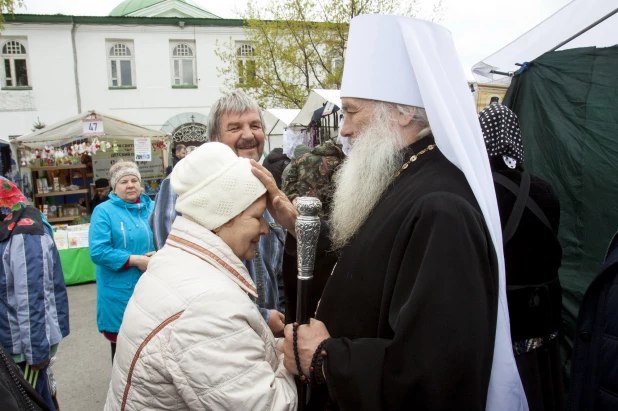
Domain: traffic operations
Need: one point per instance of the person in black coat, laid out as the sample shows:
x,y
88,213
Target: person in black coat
x,y
275,162
103,189
594,373
530,216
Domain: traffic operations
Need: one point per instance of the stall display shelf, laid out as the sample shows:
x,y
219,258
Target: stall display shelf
x,y
61,193
38,197
62,219
56,168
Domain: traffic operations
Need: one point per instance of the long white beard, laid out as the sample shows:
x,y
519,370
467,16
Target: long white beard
x,y
375,157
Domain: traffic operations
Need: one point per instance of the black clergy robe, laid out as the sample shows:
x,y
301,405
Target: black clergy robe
x,y
412,302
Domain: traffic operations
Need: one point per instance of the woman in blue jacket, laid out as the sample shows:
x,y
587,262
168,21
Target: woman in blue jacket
x,y
121,245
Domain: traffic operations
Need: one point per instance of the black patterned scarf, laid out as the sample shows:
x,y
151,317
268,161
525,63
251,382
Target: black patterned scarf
x,y
502,134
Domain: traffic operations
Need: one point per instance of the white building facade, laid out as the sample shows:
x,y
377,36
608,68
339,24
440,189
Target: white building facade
x,y
150,62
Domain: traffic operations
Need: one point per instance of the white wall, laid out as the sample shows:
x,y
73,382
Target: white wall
x,y
50,72
154,101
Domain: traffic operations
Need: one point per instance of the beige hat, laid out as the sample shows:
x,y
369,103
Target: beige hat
x,y
214,185
121,169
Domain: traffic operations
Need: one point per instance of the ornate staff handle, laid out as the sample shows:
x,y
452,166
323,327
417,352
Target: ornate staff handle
x,y
307,233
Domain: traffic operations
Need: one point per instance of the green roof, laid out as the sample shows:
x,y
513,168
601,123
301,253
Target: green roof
x,y
129,6
61,18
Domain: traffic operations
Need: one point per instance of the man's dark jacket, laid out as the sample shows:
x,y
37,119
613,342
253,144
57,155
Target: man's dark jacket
x,y
594,375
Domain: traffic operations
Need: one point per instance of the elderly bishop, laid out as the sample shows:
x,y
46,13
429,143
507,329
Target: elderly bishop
x,y
414,316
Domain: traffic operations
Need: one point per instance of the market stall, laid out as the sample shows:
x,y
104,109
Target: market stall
x,y
319,119
61,162
277,120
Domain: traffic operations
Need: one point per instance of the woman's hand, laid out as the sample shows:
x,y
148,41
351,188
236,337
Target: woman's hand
x,y
140,261
276,323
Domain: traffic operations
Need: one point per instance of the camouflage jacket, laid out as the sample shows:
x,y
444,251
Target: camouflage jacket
x,y
311,175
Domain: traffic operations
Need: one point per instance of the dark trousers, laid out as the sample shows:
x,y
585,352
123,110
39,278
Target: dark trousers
x,y
40,383
541,375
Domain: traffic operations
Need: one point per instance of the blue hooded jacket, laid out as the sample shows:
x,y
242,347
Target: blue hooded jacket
x,y
118,230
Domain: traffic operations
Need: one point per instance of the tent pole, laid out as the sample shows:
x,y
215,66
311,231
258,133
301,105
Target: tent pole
x,y
502,73
596,23
270,132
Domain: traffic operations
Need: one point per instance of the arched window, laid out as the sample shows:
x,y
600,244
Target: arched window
x,y
245,54
183,64
190,133
14,64
121,64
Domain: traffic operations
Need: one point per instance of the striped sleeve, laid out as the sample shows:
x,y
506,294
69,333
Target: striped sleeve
x,y
31,269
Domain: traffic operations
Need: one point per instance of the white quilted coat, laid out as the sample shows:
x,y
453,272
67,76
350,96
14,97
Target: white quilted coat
x,y
191,338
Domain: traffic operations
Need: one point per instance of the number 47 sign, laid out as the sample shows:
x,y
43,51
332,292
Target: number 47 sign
x,y
93,128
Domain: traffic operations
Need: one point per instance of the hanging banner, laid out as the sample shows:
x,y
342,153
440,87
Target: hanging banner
x,y
143,149
93,128
103,160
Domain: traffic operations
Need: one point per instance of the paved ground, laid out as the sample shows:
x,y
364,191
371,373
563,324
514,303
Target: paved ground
x,y
83,363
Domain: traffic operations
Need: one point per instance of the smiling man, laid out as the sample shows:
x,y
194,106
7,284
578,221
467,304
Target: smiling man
x,y
236,121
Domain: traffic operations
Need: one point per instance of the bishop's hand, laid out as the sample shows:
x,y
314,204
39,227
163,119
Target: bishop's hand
x,y
279,206
309,337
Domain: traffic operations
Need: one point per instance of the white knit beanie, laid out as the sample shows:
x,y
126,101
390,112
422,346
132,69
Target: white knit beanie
x,y
214,185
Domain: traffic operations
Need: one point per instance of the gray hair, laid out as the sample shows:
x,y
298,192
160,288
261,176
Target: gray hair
x,y
236,101
179,147
191,149
419,117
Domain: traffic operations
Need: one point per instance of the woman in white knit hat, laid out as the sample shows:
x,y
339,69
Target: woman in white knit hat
x,y
120,244
192,338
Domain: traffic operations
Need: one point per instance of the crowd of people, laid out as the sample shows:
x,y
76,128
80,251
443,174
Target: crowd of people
x,y
436,273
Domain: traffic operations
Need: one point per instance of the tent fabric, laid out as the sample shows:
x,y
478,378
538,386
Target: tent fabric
x,y
566,104
317,98
568,21
279,118
71,129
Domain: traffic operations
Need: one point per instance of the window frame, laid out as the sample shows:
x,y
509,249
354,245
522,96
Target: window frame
x,y
23,42
109,44
242,61
180,59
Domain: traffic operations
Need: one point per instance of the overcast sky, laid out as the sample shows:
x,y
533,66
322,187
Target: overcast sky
x,y
479,27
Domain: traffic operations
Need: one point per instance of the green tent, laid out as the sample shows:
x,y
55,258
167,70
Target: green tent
x,y
567,104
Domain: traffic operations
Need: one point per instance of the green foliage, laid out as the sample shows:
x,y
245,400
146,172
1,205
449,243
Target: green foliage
x,y
38,124
299,46
8,7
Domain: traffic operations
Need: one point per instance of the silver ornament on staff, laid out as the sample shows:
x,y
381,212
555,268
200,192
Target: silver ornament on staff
x,y
307,233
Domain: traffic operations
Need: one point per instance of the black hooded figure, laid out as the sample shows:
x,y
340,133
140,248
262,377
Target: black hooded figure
x,y
530,216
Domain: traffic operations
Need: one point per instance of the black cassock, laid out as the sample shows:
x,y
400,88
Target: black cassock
x,y
412,302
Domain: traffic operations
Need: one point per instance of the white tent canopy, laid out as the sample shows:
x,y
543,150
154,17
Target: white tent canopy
x,y
279,118
71,129
565,23
317,98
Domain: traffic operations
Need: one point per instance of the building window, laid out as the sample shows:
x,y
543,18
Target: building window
x,y
190,133
14,64
183,64
245,54
121,64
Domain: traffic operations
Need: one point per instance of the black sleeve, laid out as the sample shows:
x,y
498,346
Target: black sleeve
x,y
442,313
324,243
